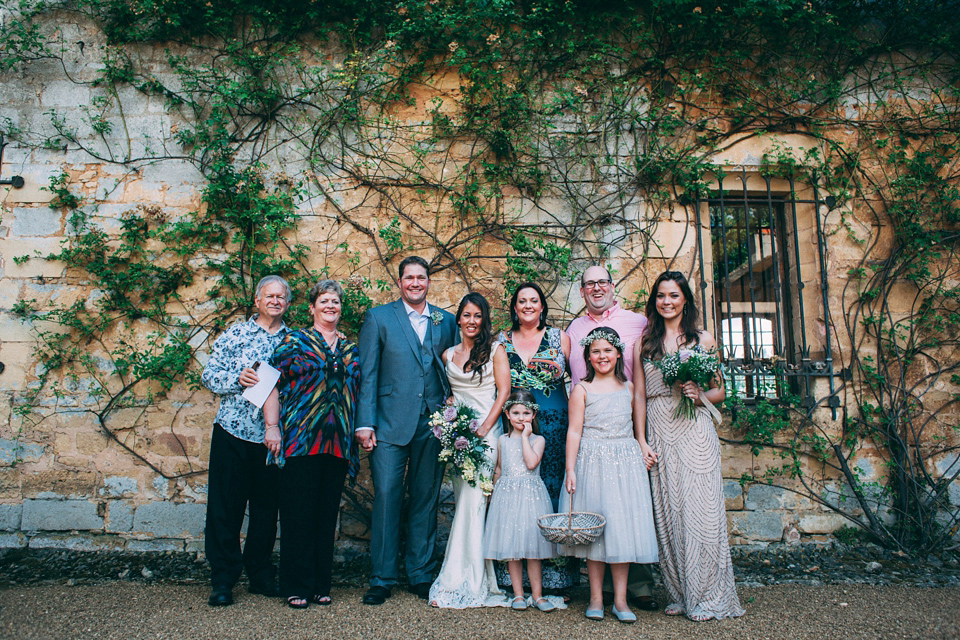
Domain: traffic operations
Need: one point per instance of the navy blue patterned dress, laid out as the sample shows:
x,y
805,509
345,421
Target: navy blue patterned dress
x,y
543,376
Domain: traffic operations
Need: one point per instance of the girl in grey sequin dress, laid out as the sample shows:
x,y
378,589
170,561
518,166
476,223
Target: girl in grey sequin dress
x,y
607,473
519,499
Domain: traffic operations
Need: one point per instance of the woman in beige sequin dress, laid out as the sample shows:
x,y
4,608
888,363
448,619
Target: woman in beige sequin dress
x,y
688,503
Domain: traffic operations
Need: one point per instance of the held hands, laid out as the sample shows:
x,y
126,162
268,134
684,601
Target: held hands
x,y
367,439
273,439
249,377
571,482
650,457
692,391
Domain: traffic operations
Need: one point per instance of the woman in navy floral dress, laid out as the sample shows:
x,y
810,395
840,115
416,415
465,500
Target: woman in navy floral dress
x,y
538,360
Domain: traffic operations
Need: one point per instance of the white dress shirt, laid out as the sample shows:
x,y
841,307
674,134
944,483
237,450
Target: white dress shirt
x,y
418,320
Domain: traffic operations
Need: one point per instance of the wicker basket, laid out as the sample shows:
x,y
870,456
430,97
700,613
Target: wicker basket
x,y
573,527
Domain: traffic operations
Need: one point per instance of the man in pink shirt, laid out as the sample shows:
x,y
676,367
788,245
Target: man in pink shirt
x,y
596,287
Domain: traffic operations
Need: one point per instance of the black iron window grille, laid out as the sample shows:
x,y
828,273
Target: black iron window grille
x,y
764,288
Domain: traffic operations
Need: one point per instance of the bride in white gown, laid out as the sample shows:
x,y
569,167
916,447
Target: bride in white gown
x,y
466,579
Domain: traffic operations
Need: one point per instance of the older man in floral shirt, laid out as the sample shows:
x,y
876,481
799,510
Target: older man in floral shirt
x,y
238,474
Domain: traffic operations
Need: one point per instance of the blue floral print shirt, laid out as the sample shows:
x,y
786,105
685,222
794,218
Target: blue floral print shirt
x,y
240,346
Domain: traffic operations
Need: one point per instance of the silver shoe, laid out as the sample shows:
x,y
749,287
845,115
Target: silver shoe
x,y
544,605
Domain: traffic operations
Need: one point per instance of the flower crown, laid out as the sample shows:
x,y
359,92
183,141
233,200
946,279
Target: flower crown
x,y
533,406
600,334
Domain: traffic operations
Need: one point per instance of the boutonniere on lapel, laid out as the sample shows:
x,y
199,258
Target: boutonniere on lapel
x,y
437,317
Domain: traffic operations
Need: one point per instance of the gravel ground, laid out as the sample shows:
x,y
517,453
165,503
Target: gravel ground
x,y
140,610
820,592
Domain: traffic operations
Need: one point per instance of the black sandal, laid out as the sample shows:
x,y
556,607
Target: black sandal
x,y
297,602
323,601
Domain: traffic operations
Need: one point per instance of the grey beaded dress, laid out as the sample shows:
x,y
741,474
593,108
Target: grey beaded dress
x,y
519,498
612,481
688,505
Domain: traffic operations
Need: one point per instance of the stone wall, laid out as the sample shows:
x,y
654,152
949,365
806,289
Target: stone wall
x,y
66,483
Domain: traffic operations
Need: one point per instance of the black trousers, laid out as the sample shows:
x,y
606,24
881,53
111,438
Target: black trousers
x,y
239,478
310,490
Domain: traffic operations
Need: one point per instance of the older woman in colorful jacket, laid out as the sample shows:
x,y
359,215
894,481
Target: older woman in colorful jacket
x,y
310,428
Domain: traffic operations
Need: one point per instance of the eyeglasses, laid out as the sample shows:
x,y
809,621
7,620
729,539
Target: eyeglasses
x,y
593,284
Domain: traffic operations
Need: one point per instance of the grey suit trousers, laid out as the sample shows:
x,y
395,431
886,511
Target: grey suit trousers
x,y
422,482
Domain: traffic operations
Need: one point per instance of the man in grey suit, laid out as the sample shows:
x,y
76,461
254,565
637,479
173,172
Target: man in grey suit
x,y
402,383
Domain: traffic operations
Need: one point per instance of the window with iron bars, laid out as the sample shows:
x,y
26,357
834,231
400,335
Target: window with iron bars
x,y
764,287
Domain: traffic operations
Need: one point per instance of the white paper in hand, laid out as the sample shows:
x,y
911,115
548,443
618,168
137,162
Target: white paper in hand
x,y
258,393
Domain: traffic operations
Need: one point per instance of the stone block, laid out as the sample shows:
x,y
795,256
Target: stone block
x,y
17,357
32,222
132,100
59,484
821,523
60,515
64,94
14,451
172,172
162,486
13,541
36,266
10,516
32,191
732,495
119,516
756,525
9,483
9,290
763,497
169,520
90,444
76,543
182,194
119,486
155,545
171,444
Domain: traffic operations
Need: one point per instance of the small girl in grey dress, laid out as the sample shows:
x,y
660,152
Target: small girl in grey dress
x,y
519,498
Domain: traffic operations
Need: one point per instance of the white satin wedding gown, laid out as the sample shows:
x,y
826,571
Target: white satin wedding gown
x,y
466,579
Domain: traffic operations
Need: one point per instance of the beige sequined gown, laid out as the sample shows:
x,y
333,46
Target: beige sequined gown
x,y
688,505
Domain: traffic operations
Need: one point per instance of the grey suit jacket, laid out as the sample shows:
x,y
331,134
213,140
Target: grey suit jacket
x,y
391,384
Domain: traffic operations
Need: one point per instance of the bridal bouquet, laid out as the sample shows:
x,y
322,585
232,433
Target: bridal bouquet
x,y
455,426
693,364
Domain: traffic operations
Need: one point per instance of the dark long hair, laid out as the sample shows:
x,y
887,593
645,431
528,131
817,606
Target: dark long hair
x,y
604,333
656,328
480,352
522,396
514,318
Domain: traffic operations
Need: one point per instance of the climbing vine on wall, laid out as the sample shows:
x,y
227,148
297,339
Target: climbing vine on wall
x,y
503,141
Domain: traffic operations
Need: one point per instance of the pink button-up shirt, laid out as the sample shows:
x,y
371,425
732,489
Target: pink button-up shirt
x,y
628,324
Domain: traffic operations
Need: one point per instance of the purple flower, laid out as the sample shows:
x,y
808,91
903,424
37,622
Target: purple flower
x,y
474,425
450,414
438,432
685,355
461,443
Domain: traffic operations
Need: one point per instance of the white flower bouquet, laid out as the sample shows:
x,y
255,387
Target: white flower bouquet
x,y
690,364
455,426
